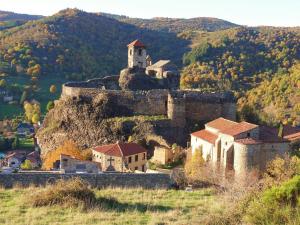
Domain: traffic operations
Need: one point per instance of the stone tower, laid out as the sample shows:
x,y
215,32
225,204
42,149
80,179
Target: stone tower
x,y
137,55
176,110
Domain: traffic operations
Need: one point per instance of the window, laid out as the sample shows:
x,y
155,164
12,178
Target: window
x,y
140,52
226,143
248,134
136,168
136,158
129,159
130,52
144,156
143,168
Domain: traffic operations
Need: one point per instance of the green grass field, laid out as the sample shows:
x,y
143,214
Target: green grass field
x,y
133,206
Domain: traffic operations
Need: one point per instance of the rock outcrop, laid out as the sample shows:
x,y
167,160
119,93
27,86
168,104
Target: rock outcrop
x,y
136,79
91,122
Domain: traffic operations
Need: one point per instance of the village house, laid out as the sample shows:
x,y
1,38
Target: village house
x,y
70,164
240,147
121,157
14,159
162,69
35,159
162,155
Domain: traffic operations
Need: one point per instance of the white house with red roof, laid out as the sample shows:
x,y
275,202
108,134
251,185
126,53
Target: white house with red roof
x,y
241,146
121,157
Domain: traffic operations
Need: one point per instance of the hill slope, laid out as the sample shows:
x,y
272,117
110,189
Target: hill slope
x,y
88,44
11,19
251,62
176,25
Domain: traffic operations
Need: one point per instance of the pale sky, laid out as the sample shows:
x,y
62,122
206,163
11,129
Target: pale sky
x,y
244,12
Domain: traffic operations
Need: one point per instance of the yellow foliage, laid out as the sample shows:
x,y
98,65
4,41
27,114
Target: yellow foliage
x,y
68,148
193,165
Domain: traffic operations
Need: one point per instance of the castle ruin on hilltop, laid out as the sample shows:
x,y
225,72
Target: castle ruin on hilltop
x,y
150,89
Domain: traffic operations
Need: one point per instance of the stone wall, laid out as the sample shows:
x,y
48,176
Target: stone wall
x,y
194,105
122,180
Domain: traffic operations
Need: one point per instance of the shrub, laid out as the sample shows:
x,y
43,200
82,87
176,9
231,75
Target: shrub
x,y
193,166
26,165
278,205
70,193
280,170
68,148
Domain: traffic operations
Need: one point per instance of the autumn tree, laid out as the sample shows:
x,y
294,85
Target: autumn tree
x,y
26,165
193,165
2,83
32,112
52,89
68,148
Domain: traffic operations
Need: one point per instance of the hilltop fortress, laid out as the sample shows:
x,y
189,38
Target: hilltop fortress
x,y
152,89
144,102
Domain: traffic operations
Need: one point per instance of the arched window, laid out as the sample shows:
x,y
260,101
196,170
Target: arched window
x,y
140,52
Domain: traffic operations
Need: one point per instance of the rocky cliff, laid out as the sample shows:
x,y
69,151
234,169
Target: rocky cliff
x,y
96,121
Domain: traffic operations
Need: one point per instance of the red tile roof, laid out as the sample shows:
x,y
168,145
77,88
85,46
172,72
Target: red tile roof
x,y
206,135
270,134
239,128
221,124
136,43
291,133
120,149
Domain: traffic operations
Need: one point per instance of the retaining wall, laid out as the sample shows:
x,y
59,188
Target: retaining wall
x,y
123,180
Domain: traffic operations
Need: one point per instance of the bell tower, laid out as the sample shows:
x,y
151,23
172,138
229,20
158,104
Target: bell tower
x,y
137,55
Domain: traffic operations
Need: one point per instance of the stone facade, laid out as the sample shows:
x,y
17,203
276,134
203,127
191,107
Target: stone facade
x,y
122,180
178,105
72,165
137,55
162,155
238,147
121,157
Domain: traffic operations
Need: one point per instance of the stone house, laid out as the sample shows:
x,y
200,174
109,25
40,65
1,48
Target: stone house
x,y
162,155
162,68
70,164
15,159
121,157
35,159
240,147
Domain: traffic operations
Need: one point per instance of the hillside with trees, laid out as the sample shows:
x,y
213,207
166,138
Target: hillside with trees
x,y
176,25
80,45
11,19
241,59
274,100
214,55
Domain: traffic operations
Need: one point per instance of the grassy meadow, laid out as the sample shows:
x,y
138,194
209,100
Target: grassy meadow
x,y
131,206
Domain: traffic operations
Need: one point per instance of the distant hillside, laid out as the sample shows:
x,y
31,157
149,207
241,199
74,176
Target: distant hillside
x,y
80,44
10,19
274,100
239,58
176,24
255,63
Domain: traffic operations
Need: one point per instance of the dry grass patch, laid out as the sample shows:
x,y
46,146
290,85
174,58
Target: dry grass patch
x,y
71,193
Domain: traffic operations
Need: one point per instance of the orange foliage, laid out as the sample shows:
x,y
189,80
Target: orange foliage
x,y
68,148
